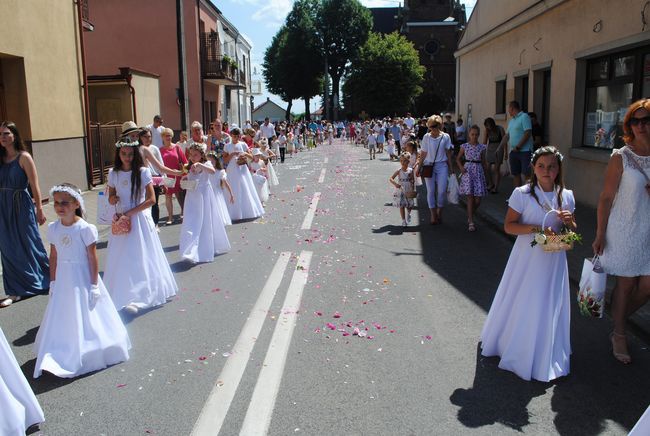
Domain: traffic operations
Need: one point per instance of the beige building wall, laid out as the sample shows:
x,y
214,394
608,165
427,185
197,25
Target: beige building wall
x,y
49,108
147,98
557,37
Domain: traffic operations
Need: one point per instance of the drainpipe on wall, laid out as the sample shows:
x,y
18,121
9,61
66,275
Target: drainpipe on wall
x,y
182,70
198,29
84,85
126,74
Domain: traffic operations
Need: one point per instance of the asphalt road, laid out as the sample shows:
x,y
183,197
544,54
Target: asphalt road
x,y
263,339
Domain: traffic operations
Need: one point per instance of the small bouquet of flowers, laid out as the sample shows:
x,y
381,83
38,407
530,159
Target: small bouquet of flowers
x,y
552,241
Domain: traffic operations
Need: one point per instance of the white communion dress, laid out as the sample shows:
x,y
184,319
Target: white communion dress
x,y
220,196
273,177
247,203
137,271
203,233
75,338
260,180
528,323
20,408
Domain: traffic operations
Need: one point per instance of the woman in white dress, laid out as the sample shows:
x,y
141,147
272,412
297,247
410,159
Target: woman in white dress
x,y
81,331
219,183
623,231
203,233
247,203
20,408
260,174
137,274
528,323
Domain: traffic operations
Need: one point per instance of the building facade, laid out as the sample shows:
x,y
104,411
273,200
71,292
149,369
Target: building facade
x,y
434,27
270,109
41,86
201,61
577,65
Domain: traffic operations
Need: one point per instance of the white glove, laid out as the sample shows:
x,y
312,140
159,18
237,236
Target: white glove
x,y
94,295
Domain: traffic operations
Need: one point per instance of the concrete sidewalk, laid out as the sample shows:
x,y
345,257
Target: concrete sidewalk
x,y
493,211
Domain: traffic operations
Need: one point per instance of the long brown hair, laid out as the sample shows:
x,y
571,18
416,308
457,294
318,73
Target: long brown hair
x,y
559,180
19,145
136,165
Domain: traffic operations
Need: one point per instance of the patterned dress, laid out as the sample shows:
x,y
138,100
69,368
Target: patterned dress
x,y
473,181
405,180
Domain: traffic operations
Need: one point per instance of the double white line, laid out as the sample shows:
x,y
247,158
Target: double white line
x,y
260,409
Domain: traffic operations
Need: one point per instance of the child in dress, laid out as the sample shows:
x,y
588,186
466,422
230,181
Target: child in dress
x,y
412,148
20,408
404,185
203,232
528,323
219,181
473,169
247,203
390,147
275,145
260,175
137,274
81,330
372,145
267,155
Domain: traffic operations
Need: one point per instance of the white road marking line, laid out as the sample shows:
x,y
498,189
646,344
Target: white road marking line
x,y
327,159
260,409
306,224
321,179
216,407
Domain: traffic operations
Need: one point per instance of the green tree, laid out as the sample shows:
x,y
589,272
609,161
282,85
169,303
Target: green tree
x,y
343,27
386,76
302,55
275,70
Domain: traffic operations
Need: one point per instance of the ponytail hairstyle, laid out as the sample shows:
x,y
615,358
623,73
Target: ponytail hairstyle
x,y
559,180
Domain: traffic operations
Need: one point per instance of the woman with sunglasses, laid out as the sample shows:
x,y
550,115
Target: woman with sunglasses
x,y
623,231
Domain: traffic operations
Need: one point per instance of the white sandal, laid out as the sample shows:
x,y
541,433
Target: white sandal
x,y
11,299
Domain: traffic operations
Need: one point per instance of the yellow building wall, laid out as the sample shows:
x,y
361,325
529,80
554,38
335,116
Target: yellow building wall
x,y
555,37
46,36
147,98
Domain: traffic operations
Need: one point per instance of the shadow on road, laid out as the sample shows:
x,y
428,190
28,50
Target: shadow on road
x,y
28,338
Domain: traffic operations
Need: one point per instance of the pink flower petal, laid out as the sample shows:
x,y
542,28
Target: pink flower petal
x,y
336,315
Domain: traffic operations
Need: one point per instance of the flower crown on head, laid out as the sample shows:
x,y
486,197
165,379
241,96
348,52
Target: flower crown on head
x,y
547,150
71,192
126,143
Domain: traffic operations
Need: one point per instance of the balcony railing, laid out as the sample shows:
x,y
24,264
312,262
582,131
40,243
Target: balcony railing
x,y
215,65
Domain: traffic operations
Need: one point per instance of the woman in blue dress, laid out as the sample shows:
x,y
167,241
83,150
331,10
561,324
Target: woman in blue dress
x,y
25,266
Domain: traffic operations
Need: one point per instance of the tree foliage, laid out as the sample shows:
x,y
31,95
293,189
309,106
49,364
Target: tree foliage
x,y
386,76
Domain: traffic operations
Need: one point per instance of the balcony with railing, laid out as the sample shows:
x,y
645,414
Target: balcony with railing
x,y
215,65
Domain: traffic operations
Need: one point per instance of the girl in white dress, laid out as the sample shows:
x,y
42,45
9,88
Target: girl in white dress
x,y
260,175
203,233
137,274
219,183
247,203
81,330
528,323
20,408
267,155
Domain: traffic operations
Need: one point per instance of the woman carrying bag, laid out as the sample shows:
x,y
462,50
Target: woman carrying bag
x,y
435,164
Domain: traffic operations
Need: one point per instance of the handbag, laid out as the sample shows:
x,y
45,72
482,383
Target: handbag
x,y
121,224
427,170
591,294
104,209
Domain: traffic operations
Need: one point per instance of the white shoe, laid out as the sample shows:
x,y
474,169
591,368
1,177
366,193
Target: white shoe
x,y
404,223
131,309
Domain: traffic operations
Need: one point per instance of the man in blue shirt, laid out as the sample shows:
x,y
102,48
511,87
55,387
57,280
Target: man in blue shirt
x,y
519,140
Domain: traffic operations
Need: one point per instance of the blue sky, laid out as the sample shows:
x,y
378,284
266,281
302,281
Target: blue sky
x,y
259,20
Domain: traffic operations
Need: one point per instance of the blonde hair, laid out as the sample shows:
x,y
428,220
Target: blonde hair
x,y
167,131
434,119
628,135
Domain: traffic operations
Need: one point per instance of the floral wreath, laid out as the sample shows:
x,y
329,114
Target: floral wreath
x,y
71,192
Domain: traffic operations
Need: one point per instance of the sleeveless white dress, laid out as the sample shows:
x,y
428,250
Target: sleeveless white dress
x,y
20,408
627,238
220,196
260,180
202,233
528,323
137,271
247,203
74,338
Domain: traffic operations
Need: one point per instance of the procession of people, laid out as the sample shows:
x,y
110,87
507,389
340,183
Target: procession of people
x,y
228,176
